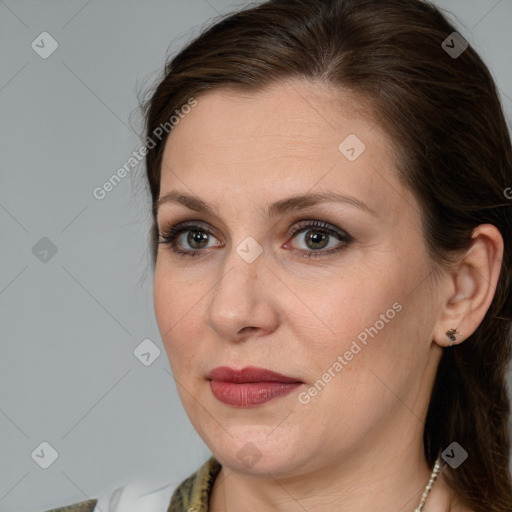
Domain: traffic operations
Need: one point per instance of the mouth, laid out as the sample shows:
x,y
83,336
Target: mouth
x,y
249,374
250,386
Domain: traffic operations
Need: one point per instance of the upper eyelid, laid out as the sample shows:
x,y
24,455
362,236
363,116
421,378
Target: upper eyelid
x,y
300,226
188,224
180,227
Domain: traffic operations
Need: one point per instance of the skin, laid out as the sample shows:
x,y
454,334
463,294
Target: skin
x,y
357,445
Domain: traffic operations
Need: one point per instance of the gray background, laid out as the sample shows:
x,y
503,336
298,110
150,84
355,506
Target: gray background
x,y
70,324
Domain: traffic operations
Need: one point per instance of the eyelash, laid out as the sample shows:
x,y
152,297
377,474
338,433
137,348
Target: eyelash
x,y
169,236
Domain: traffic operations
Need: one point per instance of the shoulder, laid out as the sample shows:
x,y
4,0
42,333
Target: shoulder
x,y
81,506
193,492
134,496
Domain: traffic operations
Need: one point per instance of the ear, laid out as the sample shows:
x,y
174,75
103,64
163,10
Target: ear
x,y
470,286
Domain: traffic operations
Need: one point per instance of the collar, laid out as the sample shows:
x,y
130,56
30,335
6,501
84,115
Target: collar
x,y
193,494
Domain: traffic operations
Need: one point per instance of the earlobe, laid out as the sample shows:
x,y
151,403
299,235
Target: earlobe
x,y
471,287
452,335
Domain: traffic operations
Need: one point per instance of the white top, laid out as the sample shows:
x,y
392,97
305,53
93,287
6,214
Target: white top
x,y
137,497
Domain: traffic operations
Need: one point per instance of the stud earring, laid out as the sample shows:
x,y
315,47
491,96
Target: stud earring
x,y
452,335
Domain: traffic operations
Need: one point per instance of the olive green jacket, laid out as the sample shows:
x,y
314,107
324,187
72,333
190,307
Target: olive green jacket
x,y
192,494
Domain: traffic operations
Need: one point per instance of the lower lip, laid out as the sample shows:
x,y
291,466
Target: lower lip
x,y
250,394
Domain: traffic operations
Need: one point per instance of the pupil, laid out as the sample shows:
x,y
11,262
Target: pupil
x,y
317,238
196,237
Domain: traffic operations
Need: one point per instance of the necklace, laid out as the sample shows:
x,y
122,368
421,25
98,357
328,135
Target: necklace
x,y
433,476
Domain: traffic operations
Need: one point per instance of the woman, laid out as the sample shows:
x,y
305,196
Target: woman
x,y
331,239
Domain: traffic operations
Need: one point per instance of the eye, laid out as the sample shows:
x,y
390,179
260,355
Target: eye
x,y
192,239
195,236
316,236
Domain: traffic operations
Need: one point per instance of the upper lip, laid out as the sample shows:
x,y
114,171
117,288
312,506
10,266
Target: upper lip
x,y
248,374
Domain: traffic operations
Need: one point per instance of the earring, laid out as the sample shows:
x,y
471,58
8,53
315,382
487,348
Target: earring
x,y
452,335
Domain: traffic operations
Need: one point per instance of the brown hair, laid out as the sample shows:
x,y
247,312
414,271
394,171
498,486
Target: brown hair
x,y
453,150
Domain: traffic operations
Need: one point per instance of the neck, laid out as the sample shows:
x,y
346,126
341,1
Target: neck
x,y
394,484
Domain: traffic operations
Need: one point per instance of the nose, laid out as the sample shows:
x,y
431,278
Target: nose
x,y
243,302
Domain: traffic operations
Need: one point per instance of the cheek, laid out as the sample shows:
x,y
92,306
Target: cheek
x,y
337,309
366,333
176,310
364,316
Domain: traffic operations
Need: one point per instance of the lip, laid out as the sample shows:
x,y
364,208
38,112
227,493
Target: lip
x,y
250,386
248,374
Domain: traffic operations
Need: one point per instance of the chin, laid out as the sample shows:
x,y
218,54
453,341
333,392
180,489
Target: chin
x,y
257,453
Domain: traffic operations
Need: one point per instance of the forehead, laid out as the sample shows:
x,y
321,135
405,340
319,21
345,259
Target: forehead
x,y
280,116
287,139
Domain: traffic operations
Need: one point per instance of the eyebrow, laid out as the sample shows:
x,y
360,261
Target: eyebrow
x,y
289,204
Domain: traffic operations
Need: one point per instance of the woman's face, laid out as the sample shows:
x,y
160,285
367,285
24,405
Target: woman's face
x,y
345,306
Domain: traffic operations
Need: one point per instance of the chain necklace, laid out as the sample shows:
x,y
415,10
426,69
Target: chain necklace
x,y
433,476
